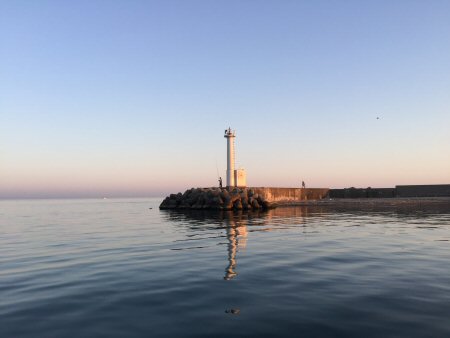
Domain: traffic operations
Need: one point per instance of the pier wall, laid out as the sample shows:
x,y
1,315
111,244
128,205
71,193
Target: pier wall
x,y
435,190
279,195
363,193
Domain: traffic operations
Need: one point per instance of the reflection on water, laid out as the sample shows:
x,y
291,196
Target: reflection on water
x,y
237,239
237,223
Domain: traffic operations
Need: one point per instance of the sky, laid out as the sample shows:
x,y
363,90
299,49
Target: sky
x,y
131,98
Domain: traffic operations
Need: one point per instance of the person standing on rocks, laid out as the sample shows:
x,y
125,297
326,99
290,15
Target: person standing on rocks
x,y
303,185
220,182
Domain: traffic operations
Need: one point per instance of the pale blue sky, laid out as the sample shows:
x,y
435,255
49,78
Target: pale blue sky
x,y
130,98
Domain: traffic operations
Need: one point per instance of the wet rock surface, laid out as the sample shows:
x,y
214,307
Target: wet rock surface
x,y
217,199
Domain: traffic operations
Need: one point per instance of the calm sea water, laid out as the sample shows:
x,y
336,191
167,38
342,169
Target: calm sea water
x,y
115,268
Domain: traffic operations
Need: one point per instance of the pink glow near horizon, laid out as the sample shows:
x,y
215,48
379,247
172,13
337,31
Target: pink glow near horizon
x,y
113,99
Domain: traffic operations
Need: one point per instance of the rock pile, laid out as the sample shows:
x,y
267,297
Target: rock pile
x,y
217,199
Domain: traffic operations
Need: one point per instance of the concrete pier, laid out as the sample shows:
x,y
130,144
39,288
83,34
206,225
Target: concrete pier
x,y
270,197
288,195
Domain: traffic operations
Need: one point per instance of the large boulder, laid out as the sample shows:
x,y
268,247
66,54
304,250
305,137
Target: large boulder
x,y
165,203
184,204
244,200
197,206
235,197
237,205
255,204
215,193
224,193
216,203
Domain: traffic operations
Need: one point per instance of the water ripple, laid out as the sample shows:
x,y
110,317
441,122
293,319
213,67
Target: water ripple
x,y
117,268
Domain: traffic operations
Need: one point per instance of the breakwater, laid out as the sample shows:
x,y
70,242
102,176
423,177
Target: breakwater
x,y
431,190
217,199
256,198
435,190
363,193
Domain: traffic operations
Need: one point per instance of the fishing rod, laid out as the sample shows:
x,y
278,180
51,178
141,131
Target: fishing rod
x,y
217,168
218,175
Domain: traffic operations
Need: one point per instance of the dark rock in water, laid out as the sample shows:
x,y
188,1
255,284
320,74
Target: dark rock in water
x,y
164,204
215,193
260,200
227,199
184,205
224,193
216,199
244,200
192,198
235,197
255,204
197,206
228,206
237,205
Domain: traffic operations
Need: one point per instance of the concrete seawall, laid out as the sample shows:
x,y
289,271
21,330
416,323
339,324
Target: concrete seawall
x,y
289,195
363,193
431,190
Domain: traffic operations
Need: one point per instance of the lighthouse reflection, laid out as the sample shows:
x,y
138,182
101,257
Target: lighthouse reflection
x,y
237,240
238,226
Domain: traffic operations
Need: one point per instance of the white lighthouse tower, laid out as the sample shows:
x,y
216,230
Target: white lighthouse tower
x,y
235,178
230,135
